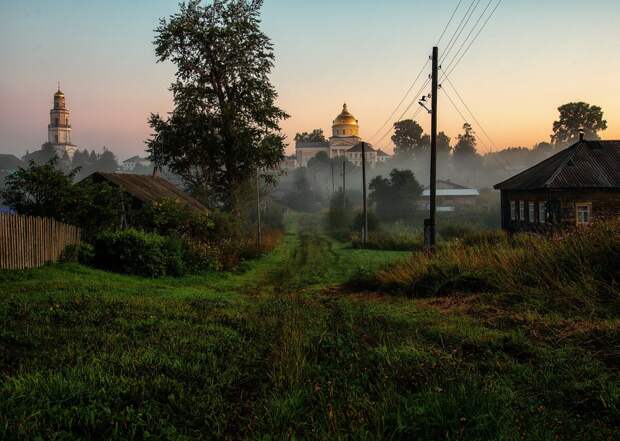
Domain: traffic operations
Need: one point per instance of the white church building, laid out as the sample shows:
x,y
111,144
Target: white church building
x,y
344,142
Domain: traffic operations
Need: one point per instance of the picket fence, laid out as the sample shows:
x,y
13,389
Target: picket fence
x,y
30,242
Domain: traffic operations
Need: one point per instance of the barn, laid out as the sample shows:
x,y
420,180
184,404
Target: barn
x,y
574,187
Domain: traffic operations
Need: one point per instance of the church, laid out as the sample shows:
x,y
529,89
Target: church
x,y
344,142
59,128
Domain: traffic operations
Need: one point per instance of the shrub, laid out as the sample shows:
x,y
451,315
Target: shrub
x,y
82,253
577,271
134,252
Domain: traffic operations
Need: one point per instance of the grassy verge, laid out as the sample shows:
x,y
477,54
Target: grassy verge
x,y
278,351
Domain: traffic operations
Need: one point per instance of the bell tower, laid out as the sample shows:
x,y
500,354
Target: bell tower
x,y
59,128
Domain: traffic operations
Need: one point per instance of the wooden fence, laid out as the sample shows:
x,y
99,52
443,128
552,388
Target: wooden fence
x,y
30,242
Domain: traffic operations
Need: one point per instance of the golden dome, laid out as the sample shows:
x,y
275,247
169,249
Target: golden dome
x,y
345,118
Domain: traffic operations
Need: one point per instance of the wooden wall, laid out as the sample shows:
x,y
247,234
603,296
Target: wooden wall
x,y
30,242
561,206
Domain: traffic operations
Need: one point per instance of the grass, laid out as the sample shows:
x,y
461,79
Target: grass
x,y
278,350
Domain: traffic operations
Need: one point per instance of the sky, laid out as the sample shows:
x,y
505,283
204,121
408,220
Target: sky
x,y
532,57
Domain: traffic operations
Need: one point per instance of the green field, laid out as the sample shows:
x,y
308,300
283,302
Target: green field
x,y
281,350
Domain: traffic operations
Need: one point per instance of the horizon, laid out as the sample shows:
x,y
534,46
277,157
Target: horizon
x,y
322,61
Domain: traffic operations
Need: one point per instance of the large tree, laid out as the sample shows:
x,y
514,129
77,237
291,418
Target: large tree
x,y
395,197
465,149
316,135
225,123
408,139
575,117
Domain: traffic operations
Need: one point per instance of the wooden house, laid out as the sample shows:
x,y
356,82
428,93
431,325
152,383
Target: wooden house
x,y
573,187
142,189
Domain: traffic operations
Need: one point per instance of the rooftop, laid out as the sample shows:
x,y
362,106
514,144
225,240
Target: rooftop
x,y
148,188
585,164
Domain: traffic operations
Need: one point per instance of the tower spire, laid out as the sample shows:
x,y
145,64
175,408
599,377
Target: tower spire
x,y
59,86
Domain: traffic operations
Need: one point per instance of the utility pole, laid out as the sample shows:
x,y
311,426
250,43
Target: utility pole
x,y
433,183
344,183
258,229
365,228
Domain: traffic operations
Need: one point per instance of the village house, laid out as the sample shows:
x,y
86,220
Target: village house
x,y
130,164
573,187
141,190
450,196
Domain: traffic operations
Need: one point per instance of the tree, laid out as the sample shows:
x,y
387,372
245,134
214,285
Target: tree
x,y
320,162
106,162
443,145
395,197
315,136
45,191
464,151
408,139
225,123
575,117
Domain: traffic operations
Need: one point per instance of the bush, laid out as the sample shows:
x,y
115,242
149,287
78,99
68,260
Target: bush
x,y
82,253
393,241
137,252
578,271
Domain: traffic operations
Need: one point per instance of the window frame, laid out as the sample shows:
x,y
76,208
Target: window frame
x,y
588,206
542,212
513,210
522,211
531,212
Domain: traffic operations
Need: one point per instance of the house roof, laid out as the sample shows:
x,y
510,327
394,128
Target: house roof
x,y
585,164
147,188
381,153
133,159
358,148
10,162
452,192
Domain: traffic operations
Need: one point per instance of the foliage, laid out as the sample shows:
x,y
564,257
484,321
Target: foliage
x,y
316,135
171,217
576,272
574,117
137,252
43,190
303,197
340,215
465,149
279,351
395,197
225,123
358,222
390,240
408,139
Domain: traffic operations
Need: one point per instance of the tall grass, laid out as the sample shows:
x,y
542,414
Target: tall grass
x,y
579,270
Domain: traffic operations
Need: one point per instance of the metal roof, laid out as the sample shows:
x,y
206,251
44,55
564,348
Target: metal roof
x,y
147,188
586,164
452,192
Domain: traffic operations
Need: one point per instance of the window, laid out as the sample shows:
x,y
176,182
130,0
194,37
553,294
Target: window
x,y
583,213
522,210
531,212
513,210
542,212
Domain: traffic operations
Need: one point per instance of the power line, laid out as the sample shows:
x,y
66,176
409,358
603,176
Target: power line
x,y
459,29
389,118
401,101
473,40
449,22
464,42
415,99
457,109
493,145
